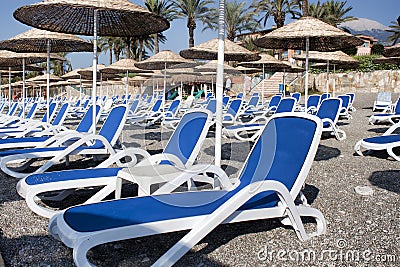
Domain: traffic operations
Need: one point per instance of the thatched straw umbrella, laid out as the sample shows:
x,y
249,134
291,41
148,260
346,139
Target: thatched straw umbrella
x,y
334,58
265,62
100,76
124,65
12,59
219,49
308,33
392,51
209,51
92,17
162,60
42,41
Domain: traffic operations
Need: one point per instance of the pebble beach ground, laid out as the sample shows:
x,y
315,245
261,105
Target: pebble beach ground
x,y
362,230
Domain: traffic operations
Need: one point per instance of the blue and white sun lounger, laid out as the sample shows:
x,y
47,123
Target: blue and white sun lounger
x,y
270,181
328,112
82,144
393,116
55,132
180,153
250,131
388,141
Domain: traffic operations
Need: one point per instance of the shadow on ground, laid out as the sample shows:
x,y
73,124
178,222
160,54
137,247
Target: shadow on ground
x,y
326,153
388,180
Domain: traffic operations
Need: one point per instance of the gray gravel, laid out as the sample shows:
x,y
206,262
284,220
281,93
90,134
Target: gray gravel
x,y
363,230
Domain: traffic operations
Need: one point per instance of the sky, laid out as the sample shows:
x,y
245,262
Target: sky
x,y
383,11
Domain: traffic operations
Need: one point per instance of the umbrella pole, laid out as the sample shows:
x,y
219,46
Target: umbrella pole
x,y
334,81
48,82
80,86
94,69
9,87
23,88
327,76
263,80
306,78
220,82
127,87
284,82
165,85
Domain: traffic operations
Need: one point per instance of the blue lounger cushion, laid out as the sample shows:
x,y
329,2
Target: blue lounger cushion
x,y
43,178
265,163
384,139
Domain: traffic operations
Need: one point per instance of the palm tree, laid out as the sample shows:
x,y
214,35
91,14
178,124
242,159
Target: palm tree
x,y
395,29
278,9
163,8
316,10
106,45
118,46
303,5
193,10
335,12
238,18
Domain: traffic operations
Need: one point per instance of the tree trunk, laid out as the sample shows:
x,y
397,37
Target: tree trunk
x,y
305,8
110,57
156,46
141,49
128,47
191,26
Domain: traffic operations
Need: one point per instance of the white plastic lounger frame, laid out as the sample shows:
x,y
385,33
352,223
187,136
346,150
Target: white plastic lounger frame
x,y
111,178
221,206
328,112
388,141
82,144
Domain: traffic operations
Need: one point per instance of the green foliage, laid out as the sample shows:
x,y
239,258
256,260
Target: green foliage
x,y
351,51
395,30
331,12
238,19
367,65
377,49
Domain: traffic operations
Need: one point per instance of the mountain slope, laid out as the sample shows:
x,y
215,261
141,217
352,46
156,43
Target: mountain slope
x,y
367,27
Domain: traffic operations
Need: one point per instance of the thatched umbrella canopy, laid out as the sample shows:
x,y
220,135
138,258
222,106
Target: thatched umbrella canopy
x,y
127,66
387,60
334,58
266,63
92,17
209,51
392,51
88,72
74,74
212,65
308,33
43,78
337,57
115,17
162,60
321,36
122,66
17,69
247,70
37,41
12,59
42,41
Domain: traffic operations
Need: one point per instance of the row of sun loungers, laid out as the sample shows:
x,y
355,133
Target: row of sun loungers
x,y
268,186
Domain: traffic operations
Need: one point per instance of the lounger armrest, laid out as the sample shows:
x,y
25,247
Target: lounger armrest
x,y
392,128
157,158
58,140
128,152
258,119
192,172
